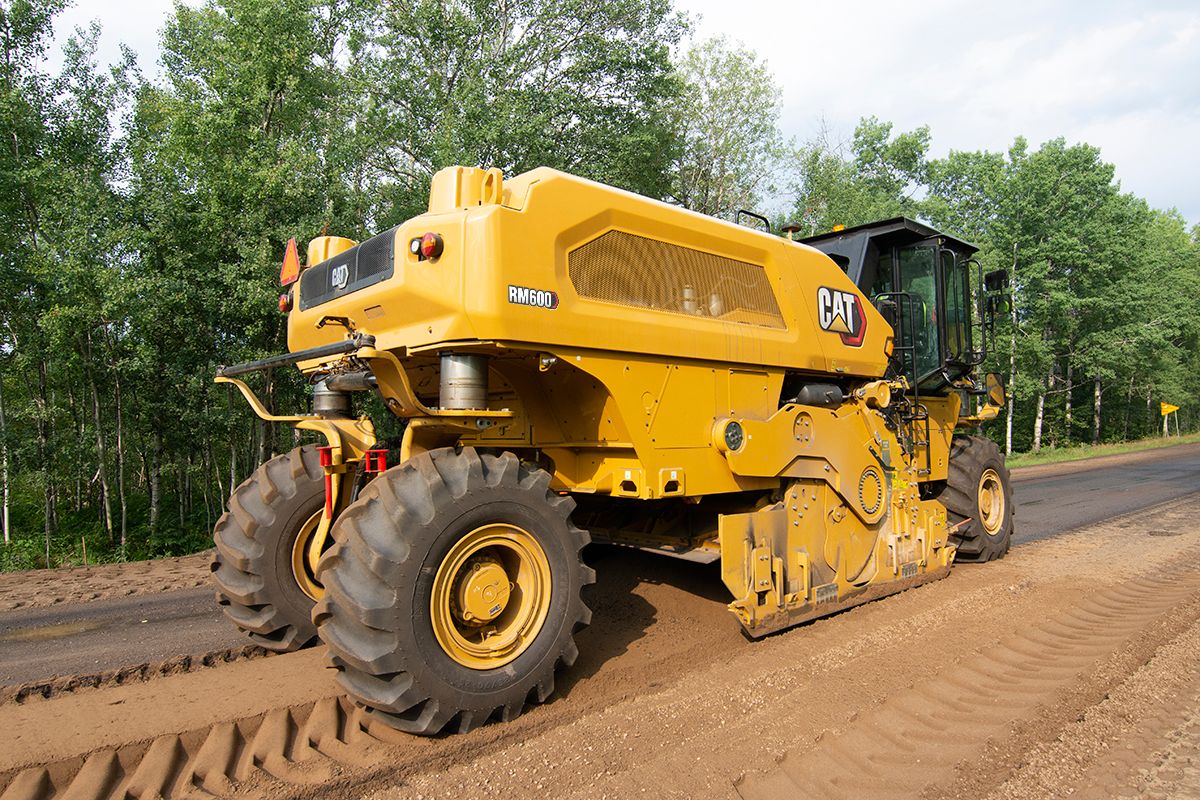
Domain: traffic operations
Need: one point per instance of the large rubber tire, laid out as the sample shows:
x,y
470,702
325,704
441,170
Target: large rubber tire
x,y
971,458
256,587
376,616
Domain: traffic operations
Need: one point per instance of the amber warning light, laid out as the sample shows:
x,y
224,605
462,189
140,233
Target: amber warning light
x,y
291,265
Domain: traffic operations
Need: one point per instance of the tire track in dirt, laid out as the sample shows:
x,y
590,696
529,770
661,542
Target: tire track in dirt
x,y
915,739
302,745
53,687
1128,739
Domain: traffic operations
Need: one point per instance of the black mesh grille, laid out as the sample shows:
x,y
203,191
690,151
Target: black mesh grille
x,y
360,266
375,255
630,270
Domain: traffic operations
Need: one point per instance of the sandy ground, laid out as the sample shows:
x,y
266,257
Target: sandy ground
x,y
1071,668
48,587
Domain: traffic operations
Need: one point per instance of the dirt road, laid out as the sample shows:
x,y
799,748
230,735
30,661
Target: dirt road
x,y
1070,665
101,621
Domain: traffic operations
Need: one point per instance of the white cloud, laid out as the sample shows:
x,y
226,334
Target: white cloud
x,y
1122,76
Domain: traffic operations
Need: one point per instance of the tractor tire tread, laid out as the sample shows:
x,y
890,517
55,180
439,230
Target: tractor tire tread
x,y
243,566
358,617
969,457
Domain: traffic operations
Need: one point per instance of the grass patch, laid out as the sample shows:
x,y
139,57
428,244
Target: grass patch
x,y
1060,454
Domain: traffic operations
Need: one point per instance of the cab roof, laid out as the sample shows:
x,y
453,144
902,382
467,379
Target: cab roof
x,y
896,227
850,247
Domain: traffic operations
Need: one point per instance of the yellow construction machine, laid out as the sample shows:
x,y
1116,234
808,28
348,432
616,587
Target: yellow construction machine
x,y
575,363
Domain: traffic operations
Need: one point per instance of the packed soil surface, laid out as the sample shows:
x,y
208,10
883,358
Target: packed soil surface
x,y
1070,665
50,587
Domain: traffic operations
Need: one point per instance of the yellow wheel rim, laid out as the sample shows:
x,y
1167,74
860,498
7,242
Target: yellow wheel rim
x,y
491,596
300,569
991,501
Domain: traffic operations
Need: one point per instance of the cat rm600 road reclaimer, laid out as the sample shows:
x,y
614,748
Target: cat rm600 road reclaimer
x,y
576,363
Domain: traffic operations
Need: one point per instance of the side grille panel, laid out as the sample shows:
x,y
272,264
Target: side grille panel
x,y
360,266
634,271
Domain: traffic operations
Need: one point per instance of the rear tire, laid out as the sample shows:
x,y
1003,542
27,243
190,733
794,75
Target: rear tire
x,y
256,539
978,489
395,615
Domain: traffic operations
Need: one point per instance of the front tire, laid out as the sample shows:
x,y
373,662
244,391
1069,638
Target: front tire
x,y
453,591
262,585
978,489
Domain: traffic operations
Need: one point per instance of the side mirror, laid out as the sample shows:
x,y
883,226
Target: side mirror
x,y
995,389
998,304
996,281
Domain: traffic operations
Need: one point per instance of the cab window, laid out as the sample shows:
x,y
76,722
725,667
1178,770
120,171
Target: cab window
x,y
918,279
958,307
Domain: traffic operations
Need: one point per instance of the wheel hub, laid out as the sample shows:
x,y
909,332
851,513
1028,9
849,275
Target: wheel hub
x,y
483,591
490,596
991,502
301,569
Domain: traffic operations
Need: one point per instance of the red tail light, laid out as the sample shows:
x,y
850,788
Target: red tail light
x,y
431,245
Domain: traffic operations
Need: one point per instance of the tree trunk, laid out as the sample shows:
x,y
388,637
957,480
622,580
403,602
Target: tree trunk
x,y
1012,364
232,467
43,443
121,465
1070,389
155,471
265,444
1037,422
1149,391
179,490
4,463
1096,413
101,450
80,436
1008,426
216,469
1128,408
206,484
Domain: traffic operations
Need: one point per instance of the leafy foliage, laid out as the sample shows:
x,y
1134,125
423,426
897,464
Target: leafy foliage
x,y
1098,336
727,126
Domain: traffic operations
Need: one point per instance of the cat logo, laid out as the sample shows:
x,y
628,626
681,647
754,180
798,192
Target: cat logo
x,y
341,274
841,313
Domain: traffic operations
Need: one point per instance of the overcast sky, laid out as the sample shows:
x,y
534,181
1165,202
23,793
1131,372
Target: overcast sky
x,y
1123,76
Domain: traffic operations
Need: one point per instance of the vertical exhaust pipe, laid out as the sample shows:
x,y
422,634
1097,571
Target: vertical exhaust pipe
x,y
330,403
464,382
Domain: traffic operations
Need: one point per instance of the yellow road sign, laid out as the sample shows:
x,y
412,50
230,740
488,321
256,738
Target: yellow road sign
x,y
1167,408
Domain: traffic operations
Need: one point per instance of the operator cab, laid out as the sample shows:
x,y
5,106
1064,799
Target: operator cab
x,y
918,278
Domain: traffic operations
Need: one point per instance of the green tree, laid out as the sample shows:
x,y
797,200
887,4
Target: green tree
x,y
727,125
580,85
875,176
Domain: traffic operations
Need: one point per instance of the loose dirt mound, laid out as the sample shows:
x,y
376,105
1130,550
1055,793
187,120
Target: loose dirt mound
x,y
1015,679
53,687
48,587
